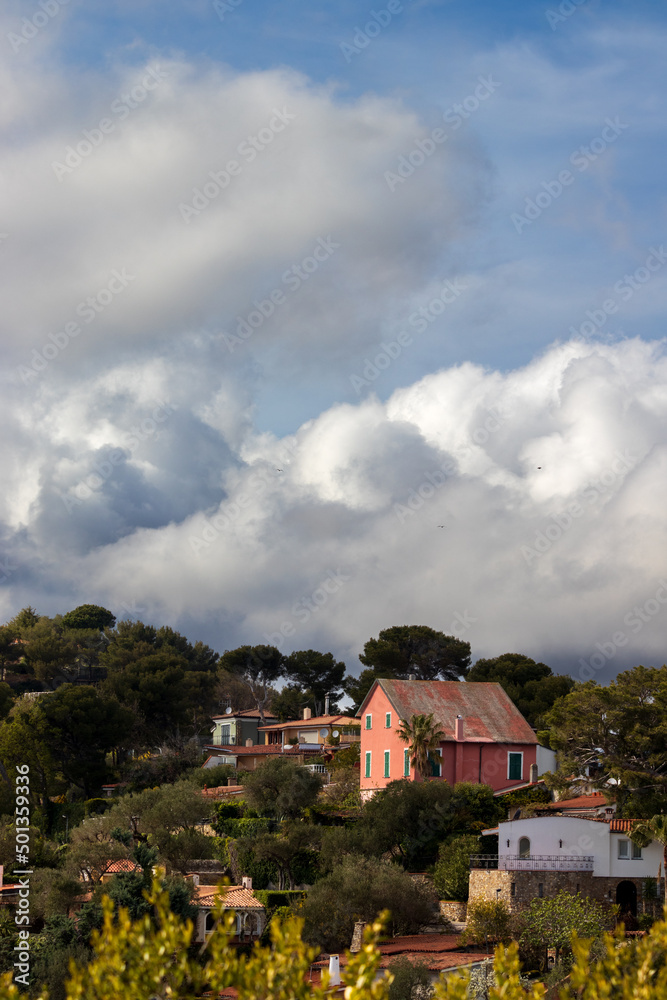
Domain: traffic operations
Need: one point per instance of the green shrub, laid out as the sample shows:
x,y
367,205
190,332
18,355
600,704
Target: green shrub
x,y
452,870
407,975
243,827
273,898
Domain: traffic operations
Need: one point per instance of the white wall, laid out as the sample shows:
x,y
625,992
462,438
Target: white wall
x,y
579,837
545,760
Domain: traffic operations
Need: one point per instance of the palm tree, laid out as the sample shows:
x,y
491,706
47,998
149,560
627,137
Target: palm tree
x,y
423,735
647,830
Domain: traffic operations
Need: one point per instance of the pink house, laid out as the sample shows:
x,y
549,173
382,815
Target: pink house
x,y
487,742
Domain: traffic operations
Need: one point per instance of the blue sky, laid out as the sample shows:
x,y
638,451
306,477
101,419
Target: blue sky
x,y
457,213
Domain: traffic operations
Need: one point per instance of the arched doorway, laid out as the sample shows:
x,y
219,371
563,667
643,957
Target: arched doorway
x,y
524,847
626,897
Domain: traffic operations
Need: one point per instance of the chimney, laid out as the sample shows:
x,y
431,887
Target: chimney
x,y
533,774
458,729
249,743
326,704
230,781
358,937
412,677
246,882
307,714
195,880
334,970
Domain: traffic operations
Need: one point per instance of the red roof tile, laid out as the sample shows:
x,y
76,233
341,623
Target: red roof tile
x,y
489,715
622,825
318,720
580,802
248,713
236,897
260,748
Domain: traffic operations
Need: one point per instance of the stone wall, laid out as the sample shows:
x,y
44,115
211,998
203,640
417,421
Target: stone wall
x,y
450,909
519,889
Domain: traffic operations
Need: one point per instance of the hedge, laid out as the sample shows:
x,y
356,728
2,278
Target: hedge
x,y
272,898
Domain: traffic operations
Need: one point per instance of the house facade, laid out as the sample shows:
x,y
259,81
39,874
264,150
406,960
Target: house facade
x,y
541,855
313,732
487,740
252,757
236,728
249,912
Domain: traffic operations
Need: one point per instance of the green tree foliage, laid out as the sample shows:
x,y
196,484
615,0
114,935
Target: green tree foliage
x,y
289,703
651,829
452,870
487,920
356,688
25,619
319,674
49,651
620,732
260,667
281,788
417,649
423,736
408,975
163,689
10,650
551,923
533,687
89,616
409,819
357,889
80,727
290,851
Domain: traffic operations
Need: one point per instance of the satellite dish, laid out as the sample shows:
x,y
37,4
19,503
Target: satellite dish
x,y
324,732
335,733
228,710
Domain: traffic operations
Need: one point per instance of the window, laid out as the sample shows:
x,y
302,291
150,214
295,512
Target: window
x,y
368,721
406,763
435,757
515,766
367,772
624,849
225,733
387,721
513,889
540,890
524,847
636,852
386,763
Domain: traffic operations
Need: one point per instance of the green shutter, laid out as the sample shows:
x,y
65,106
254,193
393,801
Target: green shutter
x,y
368,722
514,772
406,763
386,763
387,720
368,764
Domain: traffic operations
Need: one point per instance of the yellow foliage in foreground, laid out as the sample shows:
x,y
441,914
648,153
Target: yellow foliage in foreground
x,y
140,961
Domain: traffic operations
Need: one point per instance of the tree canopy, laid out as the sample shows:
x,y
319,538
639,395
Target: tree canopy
x,y
89,616
533,687
260,667
620,733
281,788
320,674
417,649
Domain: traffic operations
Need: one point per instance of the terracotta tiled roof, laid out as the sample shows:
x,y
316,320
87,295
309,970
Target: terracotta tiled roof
x,y
237,897
120,867
622,825
234,751
489,715
248,713
221,790
318,720
580,802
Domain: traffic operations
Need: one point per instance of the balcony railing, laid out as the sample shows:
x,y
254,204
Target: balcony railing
x,y
225,740
534,862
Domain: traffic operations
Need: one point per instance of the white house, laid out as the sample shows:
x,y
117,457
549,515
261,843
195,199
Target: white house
x,y
540,855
